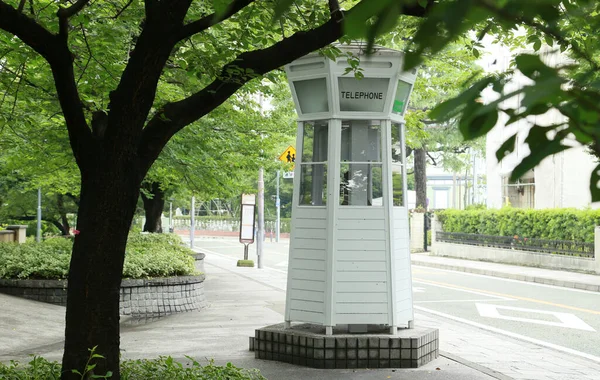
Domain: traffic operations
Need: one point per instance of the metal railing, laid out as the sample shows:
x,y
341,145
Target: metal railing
x,y
560,247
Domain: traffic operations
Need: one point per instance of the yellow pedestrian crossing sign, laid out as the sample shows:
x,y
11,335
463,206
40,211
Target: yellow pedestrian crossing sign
x,y
288,155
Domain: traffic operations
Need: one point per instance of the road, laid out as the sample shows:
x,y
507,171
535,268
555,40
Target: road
x,y
560,318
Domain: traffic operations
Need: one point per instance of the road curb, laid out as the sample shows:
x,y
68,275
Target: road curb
x,y
475,366
511,276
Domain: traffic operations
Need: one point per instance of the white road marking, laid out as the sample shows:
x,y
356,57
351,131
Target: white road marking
x,y
454,301
512,334
417,289
564,319
509,280
465,291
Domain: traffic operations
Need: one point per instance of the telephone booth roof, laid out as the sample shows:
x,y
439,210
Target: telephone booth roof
x,y
326,89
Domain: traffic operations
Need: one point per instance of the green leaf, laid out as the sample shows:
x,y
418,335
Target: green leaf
x,y
594,180
479,125
281,7
506,148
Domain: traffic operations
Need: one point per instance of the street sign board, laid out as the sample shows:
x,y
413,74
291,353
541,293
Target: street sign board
x,y
288,155
247,218
288,174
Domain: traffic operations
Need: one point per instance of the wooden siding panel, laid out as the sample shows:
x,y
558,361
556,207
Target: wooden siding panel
x,y
361,213
361,308
304,316
360,266
308,264
360,255
362,287
306,295
303,274
302,305
361,245
369,297
360,234
362,224
310,254
308,285
363,276
311,233
362,319
308,244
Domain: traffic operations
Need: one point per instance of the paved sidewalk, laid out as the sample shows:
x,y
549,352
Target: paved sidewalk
x,y
530,274
243,299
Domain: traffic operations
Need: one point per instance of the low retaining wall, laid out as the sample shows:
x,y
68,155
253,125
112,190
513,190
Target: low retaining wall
x,y
141,298
517,257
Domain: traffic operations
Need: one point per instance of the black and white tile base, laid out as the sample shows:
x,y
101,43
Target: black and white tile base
x,y
307,345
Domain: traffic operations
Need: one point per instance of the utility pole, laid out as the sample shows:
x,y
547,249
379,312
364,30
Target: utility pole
x,y
261,217
192,222
278,206
38,236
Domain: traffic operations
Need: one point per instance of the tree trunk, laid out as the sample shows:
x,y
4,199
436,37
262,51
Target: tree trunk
x,y
109,194
153,207
60,205
421,177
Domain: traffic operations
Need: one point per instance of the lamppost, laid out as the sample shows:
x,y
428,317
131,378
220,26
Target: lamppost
x,y
171,230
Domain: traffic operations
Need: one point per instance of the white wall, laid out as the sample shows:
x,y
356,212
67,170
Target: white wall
x,y
561,180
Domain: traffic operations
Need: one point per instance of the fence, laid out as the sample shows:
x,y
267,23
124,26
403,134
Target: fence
x,y
552,254
228,225
560,247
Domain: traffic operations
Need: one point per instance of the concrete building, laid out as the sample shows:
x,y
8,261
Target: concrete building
x,y
561,180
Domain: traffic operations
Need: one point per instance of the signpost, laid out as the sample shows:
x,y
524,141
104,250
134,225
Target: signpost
x,y
247,221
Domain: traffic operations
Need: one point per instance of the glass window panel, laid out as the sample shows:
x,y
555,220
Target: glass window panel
x,y
312,95
397,162
367,94
361,185
401,99
361,141
313,184
314,142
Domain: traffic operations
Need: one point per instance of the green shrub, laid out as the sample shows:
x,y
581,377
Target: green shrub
x,y
550,224
145,369
146,255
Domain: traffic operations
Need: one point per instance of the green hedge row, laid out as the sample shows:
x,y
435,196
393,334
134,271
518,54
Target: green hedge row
x,y
146,255
551,224
143,369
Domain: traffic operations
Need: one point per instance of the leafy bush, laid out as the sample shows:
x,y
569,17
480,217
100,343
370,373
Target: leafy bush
x,y
550,224
147,369
146,255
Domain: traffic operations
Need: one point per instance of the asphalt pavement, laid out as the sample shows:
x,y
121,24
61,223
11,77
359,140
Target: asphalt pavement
x,y
243,299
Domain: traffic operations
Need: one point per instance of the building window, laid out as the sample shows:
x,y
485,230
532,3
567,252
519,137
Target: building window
x,y
361,181
313,165
519,193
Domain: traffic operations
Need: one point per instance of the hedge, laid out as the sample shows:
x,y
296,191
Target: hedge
x,y
146,255
549,224
161,368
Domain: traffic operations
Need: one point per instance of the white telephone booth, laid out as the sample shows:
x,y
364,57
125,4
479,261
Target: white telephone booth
x,y
349,261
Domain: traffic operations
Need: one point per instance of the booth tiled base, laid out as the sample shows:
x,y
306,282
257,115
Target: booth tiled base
x,y
307,345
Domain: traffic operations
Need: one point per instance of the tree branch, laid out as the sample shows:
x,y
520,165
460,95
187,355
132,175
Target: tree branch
x,y
29,31
64,14
249,65
57,53
206,22
123,9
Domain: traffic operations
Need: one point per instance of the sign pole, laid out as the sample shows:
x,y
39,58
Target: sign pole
x,y
261,217
278,204
192,222
38,235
